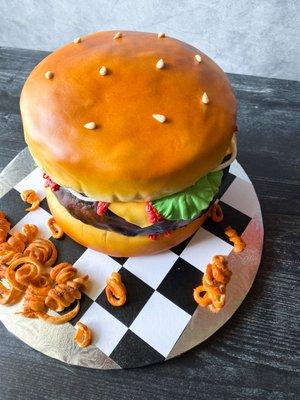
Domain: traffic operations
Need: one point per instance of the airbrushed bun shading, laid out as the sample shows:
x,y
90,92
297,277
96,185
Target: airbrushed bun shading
x,y
159,116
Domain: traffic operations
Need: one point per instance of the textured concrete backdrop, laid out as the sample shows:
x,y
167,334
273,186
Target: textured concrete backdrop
x,y
257,37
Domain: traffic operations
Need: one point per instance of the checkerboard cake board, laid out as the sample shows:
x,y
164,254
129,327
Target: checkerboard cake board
x,y
160,319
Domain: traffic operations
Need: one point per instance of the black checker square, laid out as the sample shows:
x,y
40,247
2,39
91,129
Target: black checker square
x,y
120,260
132,350
13,206
138,293
68,250
225,185
232,217
179,283
85,304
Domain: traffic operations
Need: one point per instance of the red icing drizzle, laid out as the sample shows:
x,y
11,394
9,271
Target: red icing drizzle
x,y
152,237
154,216
49,183
102,206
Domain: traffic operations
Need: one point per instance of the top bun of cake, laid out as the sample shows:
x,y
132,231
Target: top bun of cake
x,y
127,116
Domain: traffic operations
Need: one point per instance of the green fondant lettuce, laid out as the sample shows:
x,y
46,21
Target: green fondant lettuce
x,y
188,203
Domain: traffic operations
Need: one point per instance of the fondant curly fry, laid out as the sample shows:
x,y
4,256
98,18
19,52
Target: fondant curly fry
x,y
55,229
35,295
8,256
212,291
81,281
4,227
62,296
67,288
31,197
3,269
22,272
238,243
62,319
115,290
201,296
42,250
9,296
63,273
216,213
83,336
30,231
18,241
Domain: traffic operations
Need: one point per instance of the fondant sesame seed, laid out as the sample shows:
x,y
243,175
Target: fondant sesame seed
x,y
159,117
49,75
77,40
198,58
160,64
103,70
90,125
118,35
205,98
161,35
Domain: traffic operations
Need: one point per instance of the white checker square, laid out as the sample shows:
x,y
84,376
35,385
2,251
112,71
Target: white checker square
x,y
99,267
38,217
237,170
160,323
241,196
33,181
153,268
203,246
107,330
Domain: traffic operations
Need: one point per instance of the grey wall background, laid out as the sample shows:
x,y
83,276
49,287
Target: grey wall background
x,y
257,37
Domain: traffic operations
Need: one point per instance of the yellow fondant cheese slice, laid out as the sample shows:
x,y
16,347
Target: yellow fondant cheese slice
x,y
133,212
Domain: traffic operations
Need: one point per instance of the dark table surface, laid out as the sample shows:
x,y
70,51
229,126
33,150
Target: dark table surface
x,y
256,354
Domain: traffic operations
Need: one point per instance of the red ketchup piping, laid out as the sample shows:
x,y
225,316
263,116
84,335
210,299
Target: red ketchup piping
x,y
49,183
152,237
102,207
153,217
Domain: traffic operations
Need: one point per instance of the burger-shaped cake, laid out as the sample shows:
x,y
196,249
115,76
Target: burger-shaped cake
x,y
134,133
